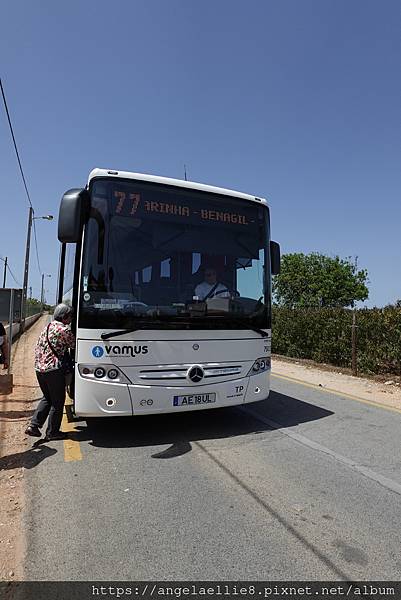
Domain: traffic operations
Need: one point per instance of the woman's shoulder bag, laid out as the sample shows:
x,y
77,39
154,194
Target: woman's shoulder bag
x,y
65,361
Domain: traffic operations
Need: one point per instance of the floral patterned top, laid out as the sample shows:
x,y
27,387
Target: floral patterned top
x,y
61,338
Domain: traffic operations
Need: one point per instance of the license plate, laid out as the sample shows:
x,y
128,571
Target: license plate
x,y
194,399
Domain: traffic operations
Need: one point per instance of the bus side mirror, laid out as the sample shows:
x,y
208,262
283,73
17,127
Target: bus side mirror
x,y
275,257
73,208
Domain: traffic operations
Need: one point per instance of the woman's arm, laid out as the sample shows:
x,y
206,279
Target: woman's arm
x,y
69,338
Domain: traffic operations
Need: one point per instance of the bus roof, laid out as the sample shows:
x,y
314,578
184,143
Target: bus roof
x,y
173,182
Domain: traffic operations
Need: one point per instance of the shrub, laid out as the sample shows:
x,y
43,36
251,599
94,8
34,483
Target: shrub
x,y
324,335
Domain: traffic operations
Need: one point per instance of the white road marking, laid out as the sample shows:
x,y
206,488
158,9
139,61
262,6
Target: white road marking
x,y
380,479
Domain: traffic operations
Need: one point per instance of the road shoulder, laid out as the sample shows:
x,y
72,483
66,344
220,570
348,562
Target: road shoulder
x,y
16,452
379,392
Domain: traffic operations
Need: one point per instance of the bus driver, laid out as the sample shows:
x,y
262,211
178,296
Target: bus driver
x,y
210,287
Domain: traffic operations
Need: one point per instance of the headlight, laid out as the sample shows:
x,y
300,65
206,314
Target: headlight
x,y
105,372
99,372
259,366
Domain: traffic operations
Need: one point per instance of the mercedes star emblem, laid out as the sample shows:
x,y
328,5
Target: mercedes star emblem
x,y
196,374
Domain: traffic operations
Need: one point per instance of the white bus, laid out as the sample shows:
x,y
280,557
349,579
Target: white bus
x,y
171,285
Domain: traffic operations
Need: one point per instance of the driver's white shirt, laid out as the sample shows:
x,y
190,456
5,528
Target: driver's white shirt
x,y
202,290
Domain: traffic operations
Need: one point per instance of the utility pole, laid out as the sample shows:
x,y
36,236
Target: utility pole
x,y
354,343
30,292
26,269
354,338
5,272
42,292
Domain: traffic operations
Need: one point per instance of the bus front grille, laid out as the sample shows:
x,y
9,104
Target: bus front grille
x,y
179,372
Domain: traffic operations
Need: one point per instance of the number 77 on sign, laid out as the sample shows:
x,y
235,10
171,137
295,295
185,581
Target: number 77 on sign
x,y
135,202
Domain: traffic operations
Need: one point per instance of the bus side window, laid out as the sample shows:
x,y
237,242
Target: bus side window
x,y
69,267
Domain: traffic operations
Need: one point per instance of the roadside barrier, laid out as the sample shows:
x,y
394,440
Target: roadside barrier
x,y
17,326
6,380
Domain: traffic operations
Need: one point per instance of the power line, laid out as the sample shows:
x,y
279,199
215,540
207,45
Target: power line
x,y
15,143
11,273
22,171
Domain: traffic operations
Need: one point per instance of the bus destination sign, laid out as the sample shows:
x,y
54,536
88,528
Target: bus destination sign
x,y
132,205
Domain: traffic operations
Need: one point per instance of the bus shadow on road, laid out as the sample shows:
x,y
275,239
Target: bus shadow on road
x,y
179,430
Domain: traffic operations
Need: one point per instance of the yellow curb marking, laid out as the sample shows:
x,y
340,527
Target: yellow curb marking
x,y
337,393
72,448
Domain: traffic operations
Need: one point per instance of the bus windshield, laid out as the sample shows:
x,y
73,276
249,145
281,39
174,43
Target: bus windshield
x,y
176,256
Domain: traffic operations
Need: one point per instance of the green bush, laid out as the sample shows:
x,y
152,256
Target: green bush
x,y
33,306
324,335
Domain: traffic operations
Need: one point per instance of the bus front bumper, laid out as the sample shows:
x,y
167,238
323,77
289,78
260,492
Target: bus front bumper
x,y
97,399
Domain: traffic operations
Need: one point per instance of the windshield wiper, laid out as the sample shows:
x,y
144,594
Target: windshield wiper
x,y
150,325
237,321
107,336
261,332
233,320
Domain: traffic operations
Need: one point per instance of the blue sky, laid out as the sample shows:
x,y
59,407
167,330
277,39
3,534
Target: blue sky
x,y
296,101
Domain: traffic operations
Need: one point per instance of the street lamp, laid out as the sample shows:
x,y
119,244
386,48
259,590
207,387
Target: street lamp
x,y
26,269
47,217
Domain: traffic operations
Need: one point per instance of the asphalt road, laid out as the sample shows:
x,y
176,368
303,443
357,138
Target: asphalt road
x,y
306,485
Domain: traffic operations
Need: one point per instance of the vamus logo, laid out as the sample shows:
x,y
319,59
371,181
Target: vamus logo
x,y
133,351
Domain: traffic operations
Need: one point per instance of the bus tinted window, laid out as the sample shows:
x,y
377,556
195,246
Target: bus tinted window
x,y
155,251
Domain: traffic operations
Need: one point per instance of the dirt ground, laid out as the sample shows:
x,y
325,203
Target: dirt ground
x,y
17,452
380,390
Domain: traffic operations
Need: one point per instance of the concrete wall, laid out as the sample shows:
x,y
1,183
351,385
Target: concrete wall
x,y
16,326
